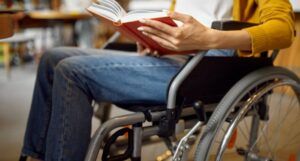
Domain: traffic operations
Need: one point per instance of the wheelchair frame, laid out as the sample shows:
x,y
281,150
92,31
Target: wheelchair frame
x,y
173,112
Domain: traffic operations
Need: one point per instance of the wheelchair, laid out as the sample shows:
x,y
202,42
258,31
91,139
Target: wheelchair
x,y
226,107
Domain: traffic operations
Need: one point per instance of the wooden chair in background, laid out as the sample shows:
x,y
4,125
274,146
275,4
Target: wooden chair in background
x,y
7,30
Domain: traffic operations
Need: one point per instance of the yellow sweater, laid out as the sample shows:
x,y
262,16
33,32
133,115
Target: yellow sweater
x,y
275,19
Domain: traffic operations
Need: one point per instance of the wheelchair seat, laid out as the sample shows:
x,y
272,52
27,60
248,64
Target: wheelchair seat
x,y
210,81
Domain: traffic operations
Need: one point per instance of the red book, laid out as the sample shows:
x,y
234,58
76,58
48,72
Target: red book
x,y
127,23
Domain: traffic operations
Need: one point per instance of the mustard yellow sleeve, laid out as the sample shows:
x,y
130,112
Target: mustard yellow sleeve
x,y
276,29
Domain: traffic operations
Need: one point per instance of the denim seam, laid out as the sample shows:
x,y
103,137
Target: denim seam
x,y
127,66
43,135
105,67
66,77
63,135
65,124
64,115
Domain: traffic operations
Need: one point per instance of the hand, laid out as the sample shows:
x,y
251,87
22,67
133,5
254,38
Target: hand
x,y
143,51
192,35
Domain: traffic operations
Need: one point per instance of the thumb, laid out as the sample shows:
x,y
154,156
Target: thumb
x,y
180,16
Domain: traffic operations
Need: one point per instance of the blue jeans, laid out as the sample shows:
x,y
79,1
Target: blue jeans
x,y
68,79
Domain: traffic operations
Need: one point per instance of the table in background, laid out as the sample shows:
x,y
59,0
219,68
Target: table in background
x,y
34,19
7,30
45,19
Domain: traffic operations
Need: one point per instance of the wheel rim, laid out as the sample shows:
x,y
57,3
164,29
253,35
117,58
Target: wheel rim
x,y
274,134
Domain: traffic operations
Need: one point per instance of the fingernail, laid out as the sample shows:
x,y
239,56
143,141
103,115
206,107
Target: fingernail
x,y
140,28
144,33
142,20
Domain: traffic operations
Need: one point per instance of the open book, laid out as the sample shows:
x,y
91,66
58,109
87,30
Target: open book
x,y
128,22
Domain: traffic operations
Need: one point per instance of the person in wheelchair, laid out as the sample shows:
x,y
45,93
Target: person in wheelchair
x,y
68,79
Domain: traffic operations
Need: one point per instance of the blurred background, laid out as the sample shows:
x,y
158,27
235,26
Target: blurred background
x,y
42,24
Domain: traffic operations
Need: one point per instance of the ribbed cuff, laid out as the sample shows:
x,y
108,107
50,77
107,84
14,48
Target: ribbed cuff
x,y
259,39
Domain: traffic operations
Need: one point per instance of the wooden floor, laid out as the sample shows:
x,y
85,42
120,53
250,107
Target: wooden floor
x,y
15,95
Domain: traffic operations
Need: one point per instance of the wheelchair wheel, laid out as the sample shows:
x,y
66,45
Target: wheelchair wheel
x,y
257,120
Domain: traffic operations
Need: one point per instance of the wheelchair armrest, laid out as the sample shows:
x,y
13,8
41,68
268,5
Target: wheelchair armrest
x,y
231,25
238,25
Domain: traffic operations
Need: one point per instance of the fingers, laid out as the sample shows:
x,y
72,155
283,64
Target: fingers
x,y
167,29
161,38
180,17
160,30
164,34
155,54
146,51
162,42
140,48
156,32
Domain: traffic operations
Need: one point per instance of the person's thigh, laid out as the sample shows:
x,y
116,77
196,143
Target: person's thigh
x,y
121,78
52,56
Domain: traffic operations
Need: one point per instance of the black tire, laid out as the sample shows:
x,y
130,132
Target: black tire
x,y
233,97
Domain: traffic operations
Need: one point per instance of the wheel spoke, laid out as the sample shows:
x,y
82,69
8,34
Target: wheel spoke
x,y
292,140
279,103
268,145
295,124
243,134
246,125
258,138
263,133
281,123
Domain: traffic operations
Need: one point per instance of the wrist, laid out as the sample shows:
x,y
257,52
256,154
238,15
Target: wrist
x,y
213,38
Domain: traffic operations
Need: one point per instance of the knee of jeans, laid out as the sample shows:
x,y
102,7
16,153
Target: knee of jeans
x,y
66,67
